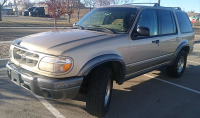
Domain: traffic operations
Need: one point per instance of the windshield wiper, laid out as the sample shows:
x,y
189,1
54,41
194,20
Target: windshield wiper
x,y
79,26
99,26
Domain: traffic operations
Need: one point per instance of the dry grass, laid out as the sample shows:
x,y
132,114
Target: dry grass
x,y
33,24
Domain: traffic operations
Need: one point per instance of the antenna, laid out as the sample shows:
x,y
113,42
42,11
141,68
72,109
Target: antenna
x,y
158,2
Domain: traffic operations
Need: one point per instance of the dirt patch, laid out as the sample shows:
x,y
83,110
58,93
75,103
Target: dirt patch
x,y
33,24
4,47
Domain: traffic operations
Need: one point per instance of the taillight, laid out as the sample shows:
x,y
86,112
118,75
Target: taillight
x,y
193,40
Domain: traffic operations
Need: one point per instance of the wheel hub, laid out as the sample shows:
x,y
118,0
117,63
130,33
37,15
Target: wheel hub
x,y
180,64
107,94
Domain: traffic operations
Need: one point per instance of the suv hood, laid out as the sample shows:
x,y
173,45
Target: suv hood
x,y
56,42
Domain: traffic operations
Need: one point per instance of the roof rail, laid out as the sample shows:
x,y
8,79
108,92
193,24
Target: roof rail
x,y
174,8
155,4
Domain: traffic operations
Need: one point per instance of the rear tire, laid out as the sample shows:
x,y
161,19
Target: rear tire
x,y
177,69
100,91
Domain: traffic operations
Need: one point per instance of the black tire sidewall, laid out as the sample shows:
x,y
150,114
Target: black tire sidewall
x,y
97,91
184,54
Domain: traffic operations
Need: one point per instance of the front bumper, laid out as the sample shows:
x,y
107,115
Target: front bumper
x,y
51,88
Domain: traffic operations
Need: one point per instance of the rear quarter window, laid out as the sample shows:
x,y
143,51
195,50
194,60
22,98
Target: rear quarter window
x,y
184,23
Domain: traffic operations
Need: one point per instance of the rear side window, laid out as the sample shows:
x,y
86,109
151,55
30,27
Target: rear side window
x,y
184,23
167,22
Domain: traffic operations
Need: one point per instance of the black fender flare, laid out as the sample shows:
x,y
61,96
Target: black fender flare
x,y
180,47
94,62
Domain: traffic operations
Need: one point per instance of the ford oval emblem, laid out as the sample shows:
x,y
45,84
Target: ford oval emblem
x,y
23,56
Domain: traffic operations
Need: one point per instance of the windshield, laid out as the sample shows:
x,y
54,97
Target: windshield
x,y
115,18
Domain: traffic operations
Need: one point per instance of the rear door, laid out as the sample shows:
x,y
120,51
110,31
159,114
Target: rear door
x,y
169,35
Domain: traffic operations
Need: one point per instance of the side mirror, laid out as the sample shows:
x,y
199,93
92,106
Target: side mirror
x,y
141,31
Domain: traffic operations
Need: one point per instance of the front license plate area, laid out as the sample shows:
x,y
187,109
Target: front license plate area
x,y
16,77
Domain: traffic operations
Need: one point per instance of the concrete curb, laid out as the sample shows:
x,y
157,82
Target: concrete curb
x,y
3,62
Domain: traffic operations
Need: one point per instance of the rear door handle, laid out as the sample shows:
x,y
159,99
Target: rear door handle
x,y
156,41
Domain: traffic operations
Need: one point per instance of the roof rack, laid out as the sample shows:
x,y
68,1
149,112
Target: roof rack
x,y
174,8
155,4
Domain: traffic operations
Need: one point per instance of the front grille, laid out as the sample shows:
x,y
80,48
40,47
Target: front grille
x,y
24,57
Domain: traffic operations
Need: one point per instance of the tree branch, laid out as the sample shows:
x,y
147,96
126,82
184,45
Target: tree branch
x,y
4,1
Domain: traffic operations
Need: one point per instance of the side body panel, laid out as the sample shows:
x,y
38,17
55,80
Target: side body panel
x,y
143,54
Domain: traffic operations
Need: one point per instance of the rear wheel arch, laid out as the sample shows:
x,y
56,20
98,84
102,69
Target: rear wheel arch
x,y
183,46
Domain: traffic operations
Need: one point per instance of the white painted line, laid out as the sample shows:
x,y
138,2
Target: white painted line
x,y
3,68
177,85
34,27
196,50
53,110
6,41
193,62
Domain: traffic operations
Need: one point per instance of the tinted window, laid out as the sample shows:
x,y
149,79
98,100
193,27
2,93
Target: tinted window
x,y
148,18
174,23
167,25
184,23
117,19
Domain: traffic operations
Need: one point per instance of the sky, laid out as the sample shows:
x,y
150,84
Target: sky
x,y
186,5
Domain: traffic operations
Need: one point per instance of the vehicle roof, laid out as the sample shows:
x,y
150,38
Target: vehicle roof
x,y
143,7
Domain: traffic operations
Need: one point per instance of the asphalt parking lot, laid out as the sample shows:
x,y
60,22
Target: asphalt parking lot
x,y
150,95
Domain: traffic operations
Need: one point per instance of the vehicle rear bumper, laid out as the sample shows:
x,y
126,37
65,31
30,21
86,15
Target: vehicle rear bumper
x,y
52,88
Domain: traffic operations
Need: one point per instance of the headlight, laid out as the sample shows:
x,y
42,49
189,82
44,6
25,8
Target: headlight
x,y
55,64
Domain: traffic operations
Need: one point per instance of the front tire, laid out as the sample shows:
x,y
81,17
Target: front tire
x,y
100,91
178,68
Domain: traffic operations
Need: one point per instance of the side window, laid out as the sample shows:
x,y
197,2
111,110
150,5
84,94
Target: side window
x,y
148,18
174,23
184,23
167,22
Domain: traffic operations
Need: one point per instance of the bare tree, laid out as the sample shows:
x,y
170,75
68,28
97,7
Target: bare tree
x,y
125,1
56,8
115,2
78,8
112,2
2,2
90,3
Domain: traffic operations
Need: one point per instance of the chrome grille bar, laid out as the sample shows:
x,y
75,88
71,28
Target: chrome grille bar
x,y
24,57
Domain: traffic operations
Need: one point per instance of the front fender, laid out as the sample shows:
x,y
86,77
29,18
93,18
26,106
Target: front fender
x,y
99,60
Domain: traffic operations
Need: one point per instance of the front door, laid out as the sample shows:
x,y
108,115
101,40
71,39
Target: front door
x,y
144,50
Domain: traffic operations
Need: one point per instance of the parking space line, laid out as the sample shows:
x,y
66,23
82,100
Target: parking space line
x,y
196,50
177,85
193,62
53,110
2,68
